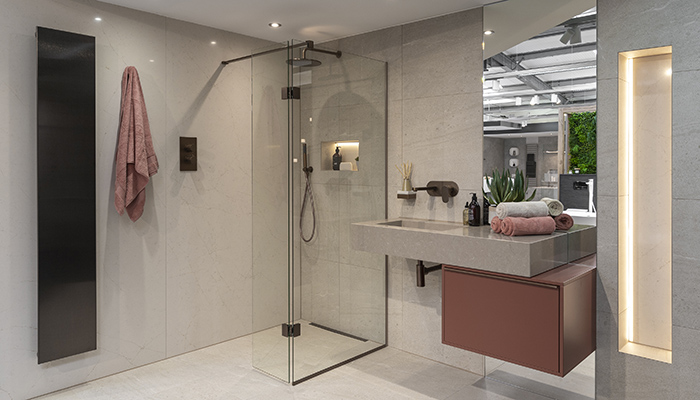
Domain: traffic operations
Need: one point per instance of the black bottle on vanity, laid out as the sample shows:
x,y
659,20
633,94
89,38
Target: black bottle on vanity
x,y
474,212
485,220
337,159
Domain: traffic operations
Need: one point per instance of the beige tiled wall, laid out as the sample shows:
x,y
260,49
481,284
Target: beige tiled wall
x,y
177,279
625,25
434,121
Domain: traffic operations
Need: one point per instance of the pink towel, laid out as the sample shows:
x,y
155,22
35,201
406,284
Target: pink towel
x,y
564,222
136,160
496,224
516,226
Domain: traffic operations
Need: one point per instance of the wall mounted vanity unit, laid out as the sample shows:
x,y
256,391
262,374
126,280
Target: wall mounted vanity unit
x,y
529,300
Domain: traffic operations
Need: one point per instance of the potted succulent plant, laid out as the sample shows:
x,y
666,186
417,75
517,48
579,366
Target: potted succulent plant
x,y
503,189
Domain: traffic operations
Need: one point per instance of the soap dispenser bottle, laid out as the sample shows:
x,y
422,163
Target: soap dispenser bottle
x,y
474,212
337,159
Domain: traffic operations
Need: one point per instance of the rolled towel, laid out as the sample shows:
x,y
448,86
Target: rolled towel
x,y
555,206
517,226
525,209
496,224
564,222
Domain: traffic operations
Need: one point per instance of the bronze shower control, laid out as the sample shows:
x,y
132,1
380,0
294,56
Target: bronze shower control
x,y
188,153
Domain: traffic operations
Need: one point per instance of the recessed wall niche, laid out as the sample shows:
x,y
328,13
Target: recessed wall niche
x,y
349,149
644,198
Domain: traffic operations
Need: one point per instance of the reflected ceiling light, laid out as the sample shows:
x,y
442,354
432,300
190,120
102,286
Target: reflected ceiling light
x,y
496,86
577,35
535,100
572,35
274,24
489,32
213,42
518,101
98,19
669,72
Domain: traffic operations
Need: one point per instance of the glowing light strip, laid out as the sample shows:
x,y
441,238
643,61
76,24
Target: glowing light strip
x,y
630,198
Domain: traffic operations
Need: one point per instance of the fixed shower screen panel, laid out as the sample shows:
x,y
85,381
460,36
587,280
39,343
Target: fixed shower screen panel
x,y
67,314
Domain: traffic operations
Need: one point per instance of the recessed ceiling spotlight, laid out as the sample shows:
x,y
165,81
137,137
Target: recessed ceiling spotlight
x,y
489,32
274,24
98,19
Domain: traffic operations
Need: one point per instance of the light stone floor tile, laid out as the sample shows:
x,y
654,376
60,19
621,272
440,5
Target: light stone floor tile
x,y
224,372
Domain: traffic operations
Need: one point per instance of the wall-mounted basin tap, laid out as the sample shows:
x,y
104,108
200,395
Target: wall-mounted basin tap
x,y
444,189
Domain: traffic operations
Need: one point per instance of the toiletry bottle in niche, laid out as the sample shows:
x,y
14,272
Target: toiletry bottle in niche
x,y
474,212
465,214
485,220
337,159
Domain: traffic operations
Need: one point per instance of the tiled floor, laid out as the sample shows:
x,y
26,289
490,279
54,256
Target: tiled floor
x,y
224,371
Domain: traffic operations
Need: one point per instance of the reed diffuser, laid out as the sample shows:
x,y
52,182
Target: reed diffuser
x,y
405,171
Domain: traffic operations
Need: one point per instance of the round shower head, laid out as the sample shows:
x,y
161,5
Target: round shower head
x,y
303,62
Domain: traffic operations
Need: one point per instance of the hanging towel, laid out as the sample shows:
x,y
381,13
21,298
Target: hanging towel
x,y
564,222
516,226
555,206
496,225
136,160
525,209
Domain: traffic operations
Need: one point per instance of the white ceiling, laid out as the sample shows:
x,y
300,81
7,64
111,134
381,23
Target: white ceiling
x,y
318,20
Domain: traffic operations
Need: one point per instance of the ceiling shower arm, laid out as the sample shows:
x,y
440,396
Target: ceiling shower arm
x,y
335,53
308,44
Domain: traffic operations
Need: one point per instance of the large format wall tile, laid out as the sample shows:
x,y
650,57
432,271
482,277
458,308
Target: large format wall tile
x,y
135,260
209,214
434,121
629,25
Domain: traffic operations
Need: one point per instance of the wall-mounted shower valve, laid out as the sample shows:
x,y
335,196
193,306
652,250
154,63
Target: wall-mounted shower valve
x,y
188,153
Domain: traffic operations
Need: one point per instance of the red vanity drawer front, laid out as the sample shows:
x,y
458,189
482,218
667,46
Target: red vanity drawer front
x,y
502,317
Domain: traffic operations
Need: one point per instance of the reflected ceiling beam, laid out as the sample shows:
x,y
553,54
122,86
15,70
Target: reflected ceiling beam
x,y
495,109
564,50
563,85
529,92
544,70
530,80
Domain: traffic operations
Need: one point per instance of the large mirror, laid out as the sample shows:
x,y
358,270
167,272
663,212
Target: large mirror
x,y
539,116
540,98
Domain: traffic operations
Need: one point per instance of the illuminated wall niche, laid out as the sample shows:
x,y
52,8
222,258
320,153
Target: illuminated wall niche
x,y
644,199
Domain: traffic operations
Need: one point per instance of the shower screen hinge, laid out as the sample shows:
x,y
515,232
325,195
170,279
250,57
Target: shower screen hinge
x,y
292,92
291,330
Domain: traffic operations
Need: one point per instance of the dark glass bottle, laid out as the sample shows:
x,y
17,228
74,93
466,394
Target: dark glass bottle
x,y
485,221
474,212
337,159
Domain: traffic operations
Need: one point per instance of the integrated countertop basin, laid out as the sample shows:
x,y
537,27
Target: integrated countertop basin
x,y
421,224
473,247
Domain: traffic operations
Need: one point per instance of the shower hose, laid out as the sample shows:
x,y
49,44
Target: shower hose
x,y
308,197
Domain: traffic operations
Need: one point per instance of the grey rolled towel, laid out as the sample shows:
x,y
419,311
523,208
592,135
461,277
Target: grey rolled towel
x,y
555,206
524,209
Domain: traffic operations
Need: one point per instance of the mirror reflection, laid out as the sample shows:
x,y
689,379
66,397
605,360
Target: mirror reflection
x,y
540,98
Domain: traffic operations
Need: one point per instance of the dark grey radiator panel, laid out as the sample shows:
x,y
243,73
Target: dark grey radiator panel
x,y
66,190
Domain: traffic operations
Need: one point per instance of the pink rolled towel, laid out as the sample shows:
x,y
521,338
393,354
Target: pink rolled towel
x,y
136,160
516,226
564,222
496,224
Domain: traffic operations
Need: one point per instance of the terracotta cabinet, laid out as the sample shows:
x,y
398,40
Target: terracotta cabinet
x,y
546,322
